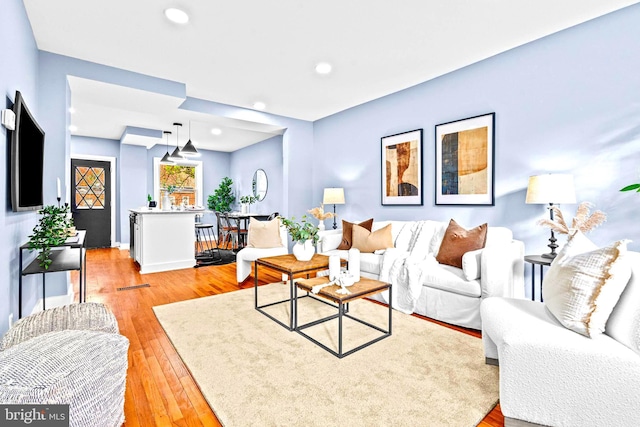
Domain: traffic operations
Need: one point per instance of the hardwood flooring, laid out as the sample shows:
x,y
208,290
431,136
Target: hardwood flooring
x,y
160,390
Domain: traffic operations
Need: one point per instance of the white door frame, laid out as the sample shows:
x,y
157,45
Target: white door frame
x,y
112,188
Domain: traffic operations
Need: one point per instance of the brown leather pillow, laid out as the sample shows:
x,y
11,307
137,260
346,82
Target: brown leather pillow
x,y
347,232
457,241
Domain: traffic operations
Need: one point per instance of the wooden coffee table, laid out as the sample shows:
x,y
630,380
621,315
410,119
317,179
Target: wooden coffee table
x,y
363,288
288,264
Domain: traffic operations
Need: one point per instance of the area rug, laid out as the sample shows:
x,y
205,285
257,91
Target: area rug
x,y
220,257
254,372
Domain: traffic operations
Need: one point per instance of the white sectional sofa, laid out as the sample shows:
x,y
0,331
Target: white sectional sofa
x,y
448,294
552,376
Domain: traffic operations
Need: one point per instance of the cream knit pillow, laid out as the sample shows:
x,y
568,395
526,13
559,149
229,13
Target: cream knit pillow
x,y
584,283
264,234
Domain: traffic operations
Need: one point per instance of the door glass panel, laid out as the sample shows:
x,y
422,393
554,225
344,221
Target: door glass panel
x,y
89,188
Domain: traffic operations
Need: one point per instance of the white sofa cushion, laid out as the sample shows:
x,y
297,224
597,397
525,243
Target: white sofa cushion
x,y
584,283
451,279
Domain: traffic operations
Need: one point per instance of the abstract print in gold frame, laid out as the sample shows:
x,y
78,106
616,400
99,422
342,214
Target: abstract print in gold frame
x,y
465,161
402,168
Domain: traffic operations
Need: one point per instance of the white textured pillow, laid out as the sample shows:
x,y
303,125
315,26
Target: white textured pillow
x,y
584,283
471,264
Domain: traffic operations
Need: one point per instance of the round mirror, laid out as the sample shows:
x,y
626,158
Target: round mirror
x,y
259,185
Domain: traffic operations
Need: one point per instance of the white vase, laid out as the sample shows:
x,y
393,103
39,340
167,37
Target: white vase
x,y
166,202
245,208
321,224
304,251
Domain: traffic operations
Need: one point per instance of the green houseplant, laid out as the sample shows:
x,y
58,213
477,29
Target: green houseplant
x,y
631,187
301,231
222,197
305,236
51,231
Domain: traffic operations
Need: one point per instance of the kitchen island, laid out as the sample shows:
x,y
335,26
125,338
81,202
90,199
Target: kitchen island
x,y
163,240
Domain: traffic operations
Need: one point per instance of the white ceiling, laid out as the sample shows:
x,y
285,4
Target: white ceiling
x,y
239,52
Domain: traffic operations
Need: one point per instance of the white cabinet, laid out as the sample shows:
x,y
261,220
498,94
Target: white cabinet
x,y
164,240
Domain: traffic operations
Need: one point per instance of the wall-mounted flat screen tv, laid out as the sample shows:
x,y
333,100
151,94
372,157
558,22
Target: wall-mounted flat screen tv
x,y
27,159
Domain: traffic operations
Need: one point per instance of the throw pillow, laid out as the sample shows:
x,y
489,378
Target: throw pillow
x,y
457,241
368,242
584,283
264,234
472,264
347,231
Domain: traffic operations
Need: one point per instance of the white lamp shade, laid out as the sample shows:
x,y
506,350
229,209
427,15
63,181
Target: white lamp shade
x,y
333,196
551,188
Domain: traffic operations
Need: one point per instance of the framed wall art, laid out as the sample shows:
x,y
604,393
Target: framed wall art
x,y
465,161
402,168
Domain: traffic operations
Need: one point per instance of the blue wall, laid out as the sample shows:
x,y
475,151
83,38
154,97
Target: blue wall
x,y
567,103
266,155
19,71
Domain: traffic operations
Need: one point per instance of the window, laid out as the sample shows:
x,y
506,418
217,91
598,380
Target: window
x,y
183,181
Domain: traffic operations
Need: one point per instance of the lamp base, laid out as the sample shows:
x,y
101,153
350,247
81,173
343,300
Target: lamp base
x,y
551,255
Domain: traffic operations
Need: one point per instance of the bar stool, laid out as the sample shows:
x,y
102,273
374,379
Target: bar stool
x,y
205,250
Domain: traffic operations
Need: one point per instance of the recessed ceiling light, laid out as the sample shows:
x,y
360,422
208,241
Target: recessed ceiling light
x,y
323,68
176,15
216,131
72,110
259,105
73,128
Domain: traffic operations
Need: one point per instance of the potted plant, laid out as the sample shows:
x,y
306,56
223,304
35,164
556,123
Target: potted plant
x,y
50,231
631,187
305,236
152,203
222,198
166,200
246,202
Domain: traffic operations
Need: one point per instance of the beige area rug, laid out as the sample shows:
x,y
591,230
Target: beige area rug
x,y
254,372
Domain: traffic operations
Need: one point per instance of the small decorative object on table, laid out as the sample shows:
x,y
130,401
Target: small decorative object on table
x,y
305,234
246,202
319,214
151,203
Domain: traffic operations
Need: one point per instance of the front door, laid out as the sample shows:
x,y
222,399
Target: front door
x,y
91,200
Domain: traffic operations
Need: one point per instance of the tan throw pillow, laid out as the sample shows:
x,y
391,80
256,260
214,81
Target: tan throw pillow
x,y
347,231
367,241
585,282
457,241
264,234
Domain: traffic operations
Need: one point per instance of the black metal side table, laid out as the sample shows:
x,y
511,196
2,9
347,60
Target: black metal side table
x,y
542,262
70,255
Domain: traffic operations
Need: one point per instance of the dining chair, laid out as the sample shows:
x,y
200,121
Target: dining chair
x,y
226,231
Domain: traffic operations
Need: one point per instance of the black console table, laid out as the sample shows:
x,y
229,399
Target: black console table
x,y
71,255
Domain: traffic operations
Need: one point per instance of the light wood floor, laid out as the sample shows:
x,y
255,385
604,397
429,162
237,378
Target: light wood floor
x,y
160,390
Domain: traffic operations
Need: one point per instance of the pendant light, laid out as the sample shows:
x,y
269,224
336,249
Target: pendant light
x,y
189,149
176,156
166,158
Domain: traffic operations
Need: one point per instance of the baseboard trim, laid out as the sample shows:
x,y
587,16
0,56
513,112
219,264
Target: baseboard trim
x,y
514,422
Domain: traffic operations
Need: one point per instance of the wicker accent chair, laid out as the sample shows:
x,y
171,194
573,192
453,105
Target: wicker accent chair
x,y
67,355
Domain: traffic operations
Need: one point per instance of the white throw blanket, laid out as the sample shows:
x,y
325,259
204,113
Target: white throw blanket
x,y
404,268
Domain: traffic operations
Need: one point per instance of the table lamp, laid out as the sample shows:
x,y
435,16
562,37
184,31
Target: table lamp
x,y
333,196
551,188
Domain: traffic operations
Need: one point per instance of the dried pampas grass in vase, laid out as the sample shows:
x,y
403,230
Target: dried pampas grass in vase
x,y
584,220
